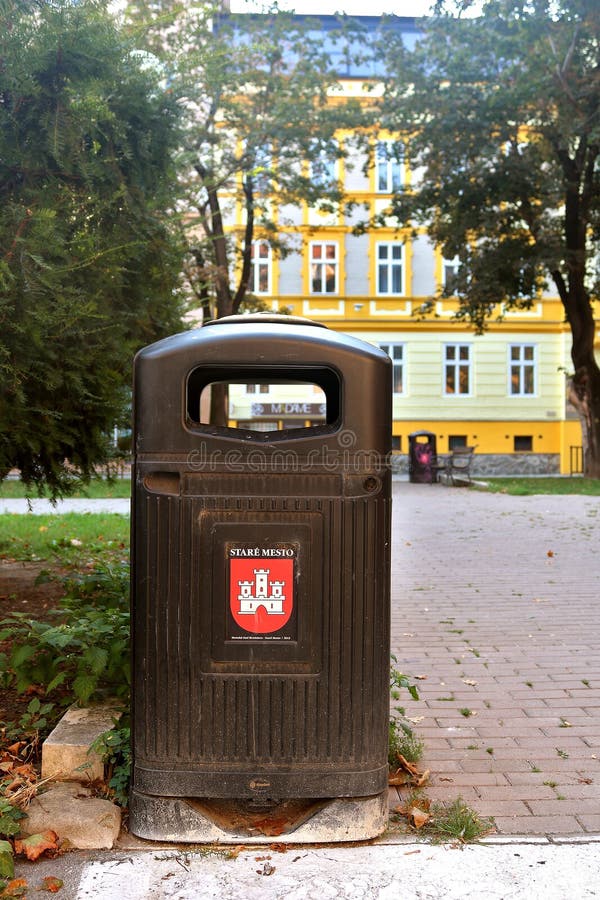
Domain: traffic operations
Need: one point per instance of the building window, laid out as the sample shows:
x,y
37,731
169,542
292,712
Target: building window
x,y
390,268
396,354
260,278
397,442
523,443
323,165
449,272
522,370
263,169
324,267
262,388
457,369
456,441
389,167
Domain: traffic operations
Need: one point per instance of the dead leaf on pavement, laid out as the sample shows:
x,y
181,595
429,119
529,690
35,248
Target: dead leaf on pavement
x,y
15,888
407,773
417,813
52,884
470,681
36,844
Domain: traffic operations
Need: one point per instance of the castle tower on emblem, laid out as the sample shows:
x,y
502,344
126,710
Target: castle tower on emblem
x,y
261,592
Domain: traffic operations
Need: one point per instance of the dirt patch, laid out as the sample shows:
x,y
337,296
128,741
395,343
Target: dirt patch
x,y
20,593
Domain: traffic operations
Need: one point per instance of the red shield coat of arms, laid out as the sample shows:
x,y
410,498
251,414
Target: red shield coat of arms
x,y
261,592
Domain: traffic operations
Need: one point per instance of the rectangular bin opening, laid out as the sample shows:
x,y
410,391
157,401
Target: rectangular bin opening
x,y
262,402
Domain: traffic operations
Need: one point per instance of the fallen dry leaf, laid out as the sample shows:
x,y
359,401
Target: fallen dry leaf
x,y
36,844
416,815
52,884
15,888
407,773
14,748
470,681
423,779
399,778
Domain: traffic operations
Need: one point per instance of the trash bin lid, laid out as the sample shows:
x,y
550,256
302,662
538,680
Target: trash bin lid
x,y
261,318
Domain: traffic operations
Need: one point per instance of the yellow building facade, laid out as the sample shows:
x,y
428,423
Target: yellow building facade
x,y
504,392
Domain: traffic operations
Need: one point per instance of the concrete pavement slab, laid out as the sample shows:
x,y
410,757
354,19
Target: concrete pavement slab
x,y
537,871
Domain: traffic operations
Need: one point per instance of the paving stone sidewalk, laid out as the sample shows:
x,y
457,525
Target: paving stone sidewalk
x,y
495,603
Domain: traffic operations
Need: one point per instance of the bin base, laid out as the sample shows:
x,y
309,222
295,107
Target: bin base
x,y
186,820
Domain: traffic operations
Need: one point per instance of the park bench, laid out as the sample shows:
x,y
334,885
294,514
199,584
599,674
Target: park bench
x,y
457,465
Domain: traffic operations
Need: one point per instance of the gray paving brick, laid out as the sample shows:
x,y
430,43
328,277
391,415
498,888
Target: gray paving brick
x,y
477,563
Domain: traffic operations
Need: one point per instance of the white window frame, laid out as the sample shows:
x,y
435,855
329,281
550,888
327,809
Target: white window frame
x,y
258,262
389,170
388,265
454,362
517,367
396,352
321,264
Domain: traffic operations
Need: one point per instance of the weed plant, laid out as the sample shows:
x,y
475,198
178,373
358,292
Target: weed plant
x,y
401,736
82,652
458,822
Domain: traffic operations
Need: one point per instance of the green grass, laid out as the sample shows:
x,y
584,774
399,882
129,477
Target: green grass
x,y
97,489
544,485
67,539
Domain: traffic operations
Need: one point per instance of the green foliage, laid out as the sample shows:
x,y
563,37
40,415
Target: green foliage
x,y
403,740
84,652
500,113
10,816
401,736
88,263
399,681
7,863
115,748
256,90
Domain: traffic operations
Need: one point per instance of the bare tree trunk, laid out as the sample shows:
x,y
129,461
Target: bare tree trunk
x,y
584,394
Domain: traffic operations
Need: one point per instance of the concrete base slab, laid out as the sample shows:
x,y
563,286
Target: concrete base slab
x,y
184,820
66,752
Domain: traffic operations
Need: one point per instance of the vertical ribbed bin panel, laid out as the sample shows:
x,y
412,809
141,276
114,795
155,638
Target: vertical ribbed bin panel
x,y
196,722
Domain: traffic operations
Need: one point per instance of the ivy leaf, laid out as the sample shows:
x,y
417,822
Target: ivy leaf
x,y
7,863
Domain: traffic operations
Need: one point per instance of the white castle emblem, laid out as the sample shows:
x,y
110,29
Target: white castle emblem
x,y
261,592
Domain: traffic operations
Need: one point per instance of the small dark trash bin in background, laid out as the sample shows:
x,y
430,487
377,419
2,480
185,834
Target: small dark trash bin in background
x,y
260,591
422,457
